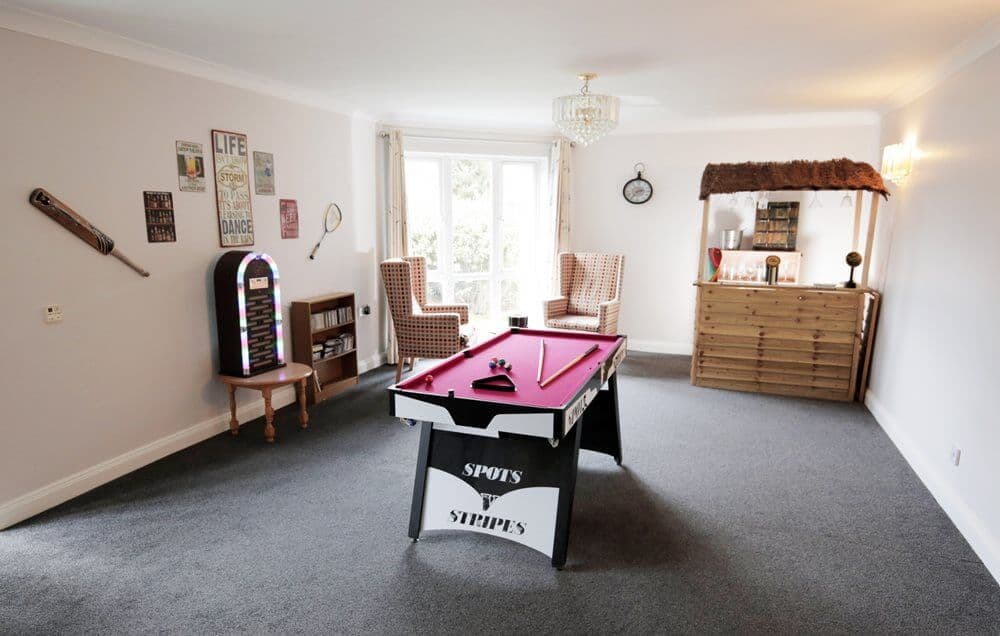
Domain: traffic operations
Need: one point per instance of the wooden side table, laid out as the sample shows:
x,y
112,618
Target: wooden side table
x,y
292,373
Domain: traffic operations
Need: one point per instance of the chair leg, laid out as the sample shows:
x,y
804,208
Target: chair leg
x,y
399,370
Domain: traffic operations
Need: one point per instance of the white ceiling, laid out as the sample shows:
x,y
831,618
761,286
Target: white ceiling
x,y
499,64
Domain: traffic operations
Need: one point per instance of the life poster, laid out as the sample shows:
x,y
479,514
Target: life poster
x,y
232,188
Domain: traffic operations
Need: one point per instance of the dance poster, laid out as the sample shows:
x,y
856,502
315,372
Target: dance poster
x,y
232,188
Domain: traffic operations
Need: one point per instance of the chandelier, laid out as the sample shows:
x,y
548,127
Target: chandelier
x,y
585,118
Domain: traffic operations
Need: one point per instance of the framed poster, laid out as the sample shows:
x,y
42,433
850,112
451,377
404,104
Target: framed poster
x,y
289,218
232,188
159,217
190,166
263,173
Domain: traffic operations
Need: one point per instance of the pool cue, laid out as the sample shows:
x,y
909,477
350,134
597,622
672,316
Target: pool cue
x,y
541,358
570,365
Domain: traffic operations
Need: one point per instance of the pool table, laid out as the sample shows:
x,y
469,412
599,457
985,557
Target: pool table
x,y
504,462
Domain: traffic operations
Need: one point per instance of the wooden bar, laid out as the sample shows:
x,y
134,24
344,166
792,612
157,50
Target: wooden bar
x,y
787,339
809,342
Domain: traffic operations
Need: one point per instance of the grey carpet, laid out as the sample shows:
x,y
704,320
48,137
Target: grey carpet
x,y
733,512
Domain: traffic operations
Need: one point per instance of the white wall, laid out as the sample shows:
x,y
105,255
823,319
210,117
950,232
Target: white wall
x,y
134,362
937,353
660,239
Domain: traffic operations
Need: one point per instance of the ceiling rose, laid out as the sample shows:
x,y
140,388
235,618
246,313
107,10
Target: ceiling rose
x,y
585,118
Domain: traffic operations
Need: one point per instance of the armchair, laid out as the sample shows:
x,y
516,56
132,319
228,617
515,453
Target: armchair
x,y
422,330
590,287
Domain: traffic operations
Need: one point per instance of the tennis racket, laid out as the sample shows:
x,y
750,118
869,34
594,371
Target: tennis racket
x,y
331,221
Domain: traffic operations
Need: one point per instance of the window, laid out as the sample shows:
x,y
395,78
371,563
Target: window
x,y
482,223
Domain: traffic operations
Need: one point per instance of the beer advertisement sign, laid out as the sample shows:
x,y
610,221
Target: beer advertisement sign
x,y
190,166
232,188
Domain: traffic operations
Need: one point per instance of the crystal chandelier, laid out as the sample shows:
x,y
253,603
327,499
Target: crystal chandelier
x,y
585,118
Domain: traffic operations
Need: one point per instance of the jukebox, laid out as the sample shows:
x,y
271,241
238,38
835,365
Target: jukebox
x,y
248,314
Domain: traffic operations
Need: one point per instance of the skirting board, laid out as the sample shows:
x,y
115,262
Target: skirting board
x,y
983,542
63,490
660,346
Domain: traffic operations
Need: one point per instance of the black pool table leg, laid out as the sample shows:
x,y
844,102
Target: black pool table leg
x,y
602,431
613,391
420,480
568,454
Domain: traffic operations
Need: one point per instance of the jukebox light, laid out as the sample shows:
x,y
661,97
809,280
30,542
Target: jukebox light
x,y
257,344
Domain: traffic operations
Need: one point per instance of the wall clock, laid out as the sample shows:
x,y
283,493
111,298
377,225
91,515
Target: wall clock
x,y
638,190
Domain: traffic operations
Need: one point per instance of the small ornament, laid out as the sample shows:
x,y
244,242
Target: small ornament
x,y
853,259
772,263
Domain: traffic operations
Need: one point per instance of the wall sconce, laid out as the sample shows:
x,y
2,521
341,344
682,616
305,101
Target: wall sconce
x,y
897,162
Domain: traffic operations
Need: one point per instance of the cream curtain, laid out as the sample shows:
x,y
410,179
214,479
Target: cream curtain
x,y
396,234
560,173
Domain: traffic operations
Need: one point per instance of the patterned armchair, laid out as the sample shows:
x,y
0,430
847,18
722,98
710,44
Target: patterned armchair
x,y
591,288
422,330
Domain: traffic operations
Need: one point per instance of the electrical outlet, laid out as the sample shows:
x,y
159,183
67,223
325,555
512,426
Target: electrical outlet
x,y
53,313
956,455
366,310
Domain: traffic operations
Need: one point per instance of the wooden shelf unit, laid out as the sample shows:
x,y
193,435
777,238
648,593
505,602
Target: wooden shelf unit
x,y
334,373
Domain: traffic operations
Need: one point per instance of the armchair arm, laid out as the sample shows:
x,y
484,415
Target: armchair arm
x,y
429,335
555,307
607,316
461,310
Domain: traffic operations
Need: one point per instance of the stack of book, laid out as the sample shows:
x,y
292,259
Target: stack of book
x,y
341,344
332,317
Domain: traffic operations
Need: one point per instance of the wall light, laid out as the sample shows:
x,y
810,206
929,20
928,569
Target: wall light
x,y
897,162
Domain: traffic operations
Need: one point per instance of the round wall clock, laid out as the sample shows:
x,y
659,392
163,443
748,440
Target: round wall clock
x,y
638,190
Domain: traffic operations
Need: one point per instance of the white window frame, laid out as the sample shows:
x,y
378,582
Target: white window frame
x,y
495,273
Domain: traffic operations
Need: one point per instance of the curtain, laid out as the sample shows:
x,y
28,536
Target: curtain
x,y
560,172
396,235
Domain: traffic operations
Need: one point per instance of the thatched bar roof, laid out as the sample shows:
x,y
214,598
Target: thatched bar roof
x,y
836,174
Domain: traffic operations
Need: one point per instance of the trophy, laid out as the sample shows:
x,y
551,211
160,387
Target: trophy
x,y
853,259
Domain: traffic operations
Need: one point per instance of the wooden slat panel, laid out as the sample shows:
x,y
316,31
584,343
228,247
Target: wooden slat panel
x,y
783,334
805,357
794,368
778,389
804,322
753,342
787,379
778,296
780,310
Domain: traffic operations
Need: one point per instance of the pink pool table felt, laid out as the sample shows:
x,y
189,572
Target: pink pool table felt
x,y
521,350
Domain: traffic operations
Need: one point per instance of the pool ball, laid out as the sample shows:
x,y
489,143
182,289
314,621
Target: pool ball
x,y
428,379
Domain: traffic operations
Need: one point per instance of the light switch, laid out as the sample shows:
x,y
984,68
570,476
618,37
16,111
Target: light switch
x,y
53,313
